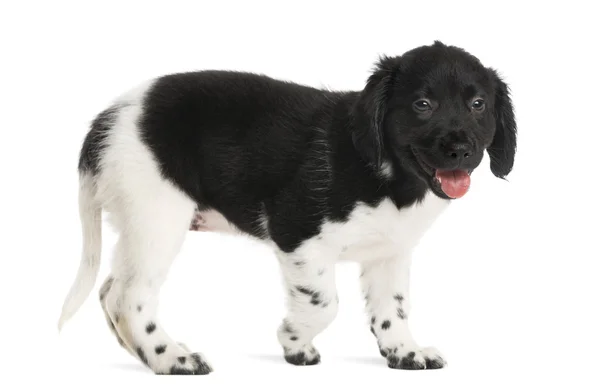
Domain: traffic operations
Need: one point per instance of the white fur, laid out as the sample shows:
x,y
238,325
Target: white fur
x,y
152,217
91,226
382,239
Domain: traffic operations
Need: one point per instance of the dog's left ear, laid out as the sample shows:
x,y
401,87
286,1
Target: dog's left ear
x,y
369,111
504,146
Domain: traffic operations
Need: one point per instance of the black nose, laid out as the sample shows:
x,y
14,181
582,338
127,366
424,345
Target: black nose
x,y
458,150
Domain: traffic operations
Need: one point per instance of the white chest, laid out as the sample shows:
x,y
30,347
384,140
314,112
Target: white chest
x,y
375,232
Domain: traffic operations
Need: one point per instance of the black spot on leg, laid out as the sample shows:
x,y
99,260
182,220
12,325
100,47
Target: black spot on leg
x,y
160,349
142,355
181,359
316,299
139,308
401,313
385,325
373,331
299,263
315,296
294,338
151,327
373,319
325,304
287,328
304,290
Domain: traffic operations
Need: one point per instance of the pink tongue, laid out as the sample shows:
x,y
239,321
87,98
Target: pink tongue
x,y
455,184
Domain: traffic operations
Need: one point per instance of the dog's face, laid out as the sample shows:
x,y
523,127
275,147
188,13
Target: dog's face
x,y
435,111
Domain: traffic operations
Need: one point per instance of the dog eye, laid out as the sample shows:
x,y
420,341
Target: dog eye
x,y
478,104
422,105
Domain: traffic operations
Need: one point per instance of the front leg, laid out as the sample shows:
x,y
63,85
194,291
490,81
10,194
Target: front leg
x,y
385,284
312,305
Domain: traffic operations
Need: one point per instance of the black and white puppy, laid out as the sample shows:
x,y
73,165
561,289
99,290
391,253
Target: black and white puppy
x,y
320,176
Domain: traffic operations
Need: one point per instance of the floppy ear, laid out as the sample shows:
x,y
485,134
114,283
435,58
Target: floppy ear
x,y
369,111
503,148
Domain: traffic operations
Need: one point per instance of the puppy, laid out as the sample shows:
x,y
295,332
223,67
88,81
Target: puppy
x,y
320,176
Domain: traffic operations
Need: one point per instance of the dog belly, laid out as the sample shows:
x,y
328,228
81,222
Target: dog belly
x,y
370,233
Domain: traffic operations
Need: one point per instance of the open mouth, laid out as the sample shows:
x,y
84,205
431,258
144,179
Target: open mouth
x,y
453,184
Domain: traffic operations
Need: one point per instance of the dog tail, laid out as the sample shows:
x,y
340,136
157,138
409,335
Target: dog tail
x,y
90,213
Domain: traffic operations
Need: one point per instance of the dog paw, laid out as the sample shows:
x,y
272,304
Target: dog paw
x,y
433,358
188,364
304,356
424,359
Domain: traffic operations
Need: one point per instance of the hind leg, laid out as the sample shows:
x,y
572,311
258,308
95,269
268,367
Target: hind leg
x,y
104,290
152,230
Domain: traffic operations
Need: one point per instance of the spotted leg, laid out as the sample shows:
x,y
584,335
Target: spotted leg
x,y
385,284
104,290
152,230
312,306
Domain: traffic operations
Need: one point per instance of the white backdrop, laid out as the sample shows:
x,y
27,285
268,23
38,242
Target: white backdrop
x,y
505,284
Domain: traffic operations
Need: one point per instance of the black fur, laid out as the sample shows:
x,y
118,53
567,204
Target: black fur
x,y
300,359
249,146
151,327
503,148
199,366
408,362
287,328
93,144
160,349
434,364
315,296
385,325
400,312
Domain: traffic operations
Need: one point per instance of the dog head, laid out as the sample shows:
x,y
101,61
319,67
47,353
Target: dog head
x,y
434,111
